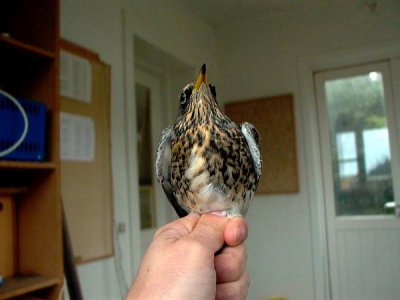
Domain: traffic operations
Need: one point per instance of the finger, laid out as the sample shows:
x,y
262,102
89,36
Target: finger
x,y
209,231
177,229
236,231
236,290
231,263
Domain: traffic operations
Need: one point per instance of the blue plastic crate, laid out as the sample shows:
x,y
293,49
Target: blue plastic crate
x,y
12,126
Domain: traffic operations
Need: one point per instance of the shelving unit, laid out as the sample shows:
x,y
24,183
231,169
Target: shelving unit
x,y
22,285
30,206
10,44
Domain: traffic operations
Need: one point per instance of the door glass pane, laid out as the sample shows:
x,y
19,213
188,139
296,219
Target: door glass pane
x,y
360,145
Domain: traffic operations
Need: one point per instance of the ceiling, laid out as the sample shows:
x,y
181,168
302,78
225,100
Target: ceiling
x,y
222,12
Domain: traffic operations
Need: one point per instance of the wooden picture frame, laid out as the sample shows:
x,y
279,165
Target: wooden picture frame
x,y
274,119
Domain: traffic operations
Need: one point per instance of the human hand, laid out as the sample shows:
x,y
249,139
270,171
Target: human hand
x,y
180,262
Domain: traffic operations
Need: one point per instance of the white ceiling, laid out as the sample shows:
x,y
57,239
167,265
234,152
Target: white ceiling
x,y
223,12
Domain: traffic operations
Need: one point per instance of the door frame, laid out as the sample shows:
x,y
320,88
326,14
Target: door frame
x,y
131,149
131,137
307,66
172,69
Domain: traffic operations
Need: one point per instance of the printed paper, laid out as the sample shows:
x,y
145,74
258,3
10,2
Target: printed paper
x,y
77,135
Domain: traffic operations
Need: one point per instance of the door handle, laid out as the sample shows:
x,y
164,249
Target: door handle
x,y
391,204
394,205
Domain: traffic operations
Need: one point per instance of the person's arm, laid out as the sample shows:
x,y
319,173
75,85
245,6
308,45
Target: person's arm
x,y
180,262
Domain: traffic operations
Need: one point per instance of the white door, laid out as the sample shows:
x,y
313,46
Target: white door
x,y
360,139
151,119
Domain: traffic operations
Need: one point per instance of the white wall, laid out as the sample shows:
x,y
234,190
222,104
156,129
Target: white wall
x,y
254,58
260,58
175,30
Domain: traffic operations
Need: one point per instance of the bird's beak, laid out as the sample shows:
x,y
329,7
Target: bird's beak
x,y
201,78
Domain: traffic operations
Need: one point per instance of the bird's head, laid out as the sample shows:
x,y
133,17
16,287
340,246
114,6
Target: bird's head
x,y
199,95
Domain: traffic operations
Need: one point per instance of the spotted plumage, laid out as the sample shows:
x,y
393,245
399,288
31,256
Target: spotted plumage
x,y
205,162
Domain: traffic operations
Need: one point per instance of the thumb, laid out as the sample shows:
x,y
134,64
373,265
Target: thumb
x,y
209,231
236,231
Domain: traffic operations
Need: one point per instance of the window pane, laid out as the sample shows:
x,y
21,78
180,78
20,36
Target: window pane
x,y
377,155
348,169
360,144
346,143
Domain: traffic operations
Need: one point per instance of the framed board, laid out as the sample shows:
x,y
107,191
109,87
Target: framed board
x,y
86,184
274,119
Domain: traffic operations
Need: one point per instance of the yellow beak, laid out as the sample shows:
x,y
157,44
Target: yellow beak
x,y
201,78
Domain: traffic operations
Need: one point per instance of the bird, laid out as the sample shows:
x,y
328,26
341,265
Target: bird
x,y
205,162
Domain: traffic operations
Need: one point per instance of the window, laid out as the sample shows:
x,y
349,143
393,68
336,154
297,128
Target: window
x,y
359,144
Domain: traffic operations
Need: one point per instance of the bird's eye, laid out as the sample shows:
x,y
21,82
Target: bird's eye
x,y
213,90
185,95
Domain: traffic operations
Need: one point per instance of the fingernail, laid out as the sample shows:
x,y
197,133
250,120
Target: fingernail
x,y
241,234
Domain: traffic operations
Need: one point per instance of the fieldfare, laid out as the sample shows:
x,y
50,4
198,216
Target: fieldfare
x,y
205,162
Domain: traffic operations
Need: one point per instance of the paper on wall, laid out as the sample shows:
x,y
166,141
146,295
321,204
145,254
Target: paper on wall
x,y
77,136
75,77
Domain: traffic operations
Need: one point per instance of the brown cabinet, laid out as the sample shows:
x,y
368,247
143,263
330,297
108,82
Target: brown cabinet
x,y
30,205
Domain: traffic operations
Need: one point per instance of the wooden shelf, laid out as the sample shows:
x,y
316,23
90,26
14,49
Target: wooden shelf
x,y
21,285
17,176
26,165
14,44
12,190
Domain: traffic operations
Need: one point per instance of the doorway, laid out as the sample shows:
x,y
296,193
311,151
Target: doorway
x,y
359,146
150,121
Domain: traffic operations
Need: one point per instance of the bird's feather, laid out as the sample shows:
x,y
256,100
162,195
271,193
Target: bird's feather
x,y
163,164
251,135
